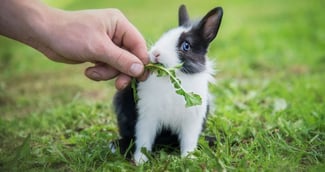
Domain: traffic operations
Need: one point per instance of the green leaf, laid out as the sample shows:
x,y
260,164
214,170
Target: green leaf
x,y
191,98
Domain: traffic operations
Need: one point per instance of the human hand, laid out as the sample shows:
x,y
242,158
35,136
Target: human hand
x,y
103,37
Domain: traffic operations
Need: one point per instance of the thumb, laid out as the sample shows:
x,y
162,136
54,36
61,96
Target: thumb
x,y
122,60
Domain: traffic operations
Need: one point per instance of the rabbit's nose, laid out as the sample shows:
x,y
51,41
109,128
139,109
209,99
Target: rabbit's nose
x,y
156,53
155,56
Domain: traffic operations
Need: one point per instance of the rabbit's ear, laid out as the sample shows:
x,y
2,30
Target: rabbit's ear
x,y
183,17
210,24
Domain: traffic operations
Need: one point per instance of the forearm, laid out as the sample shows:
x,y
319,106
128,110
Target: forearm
x,y
23,20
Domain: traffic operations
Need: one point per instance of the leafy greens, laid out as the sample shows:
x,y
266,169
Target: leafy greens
x,y
191,98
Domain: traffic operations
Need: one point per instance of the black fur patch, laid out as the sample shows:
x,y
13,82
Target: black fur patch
x,y
126,111
193,60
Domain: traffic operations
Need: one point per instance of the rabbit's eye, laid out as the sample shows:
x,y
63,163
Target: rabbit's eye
x,y
186,46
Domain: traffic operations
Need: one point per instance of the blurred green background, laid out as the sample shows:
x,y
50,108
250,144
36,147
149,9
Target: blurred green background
x,y
271,69
257,38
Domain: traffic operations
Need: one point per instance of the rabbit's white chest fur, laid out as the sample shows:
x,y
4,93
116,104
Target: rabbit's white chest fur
x,y
158,101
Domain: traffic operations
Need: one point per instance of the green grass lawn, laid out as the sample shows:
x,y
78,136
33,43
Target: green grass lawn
x,y
269,107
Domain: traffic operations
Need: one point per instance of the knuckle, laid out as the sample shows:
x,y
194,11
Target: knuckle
x,y
120,59
117,11
114,13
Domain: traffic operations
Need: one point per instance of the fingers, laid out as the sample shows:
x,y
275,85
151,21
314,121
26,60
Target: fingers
x,y
144,76
122,81
132,40
101,72
122,60
128,37
123,49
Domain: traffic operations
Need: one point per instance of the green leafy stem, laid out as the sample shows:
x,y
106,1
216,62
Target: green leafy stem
x,y
191,98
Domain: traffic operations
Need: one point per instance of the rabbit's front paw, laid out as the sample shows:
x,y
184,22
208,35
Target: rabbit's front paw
x,y
140,158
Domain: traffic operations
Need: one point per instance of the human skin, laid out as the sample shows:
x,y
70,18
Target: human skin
x,y
104,37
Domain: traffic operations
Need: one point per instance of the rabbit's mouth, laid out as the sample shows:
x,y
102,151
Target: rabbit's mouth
x,y
163,59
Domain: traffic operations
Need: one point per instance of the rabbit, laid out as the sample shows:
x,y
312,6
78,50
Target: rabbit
x,y
160,115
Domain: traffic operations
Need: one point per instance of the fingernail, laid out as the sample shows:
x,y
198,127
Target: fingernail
x,y
136,69
95,76
122,86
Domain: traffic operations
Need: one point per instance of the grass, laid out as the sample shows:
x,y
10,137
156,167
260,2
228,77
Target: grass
x,y
269,107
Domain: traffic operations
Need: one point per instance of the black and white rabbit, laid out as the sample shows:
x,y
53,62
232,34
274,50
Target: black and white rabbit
x,y
160,115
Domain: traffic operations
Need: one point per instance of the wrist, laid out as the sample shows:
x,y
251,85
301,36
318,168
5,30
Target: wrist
x,y
36,23
24,20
